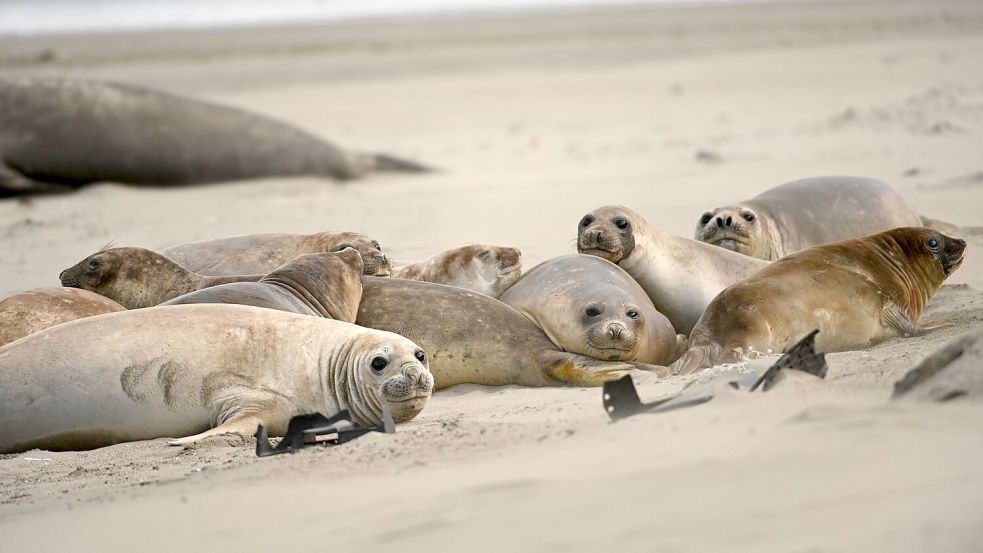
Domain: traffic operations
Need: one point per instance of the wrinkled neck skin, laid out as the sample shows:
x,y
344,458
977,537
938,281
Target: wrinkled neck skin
x,y
341,383
205,281
770,244
907,281
681,276
301,294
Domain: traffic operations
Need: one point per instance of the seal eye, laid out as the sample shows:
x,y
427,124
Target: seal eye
x,y
483,254
706,218
632,314
933,244
377,246
748,216
420,356
586,221
343,246
592,312
93,264
379,363
621,223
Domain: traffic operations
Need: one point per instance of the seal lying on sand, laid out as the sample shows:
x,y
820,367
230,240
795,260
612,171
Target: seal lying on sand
x,y
472,338
136,277
856,292
41,308
58,134
805,213
488,270
199,371
588,305
325,285
261,253
680,276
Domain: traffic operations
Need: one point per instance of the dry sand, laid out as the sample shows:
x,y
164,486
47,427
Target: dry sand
x,y
535,121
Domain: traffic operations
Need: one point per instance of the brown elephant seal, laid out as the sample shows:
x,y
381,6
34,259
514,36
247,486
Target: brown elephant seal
x,y
137,277
194,371
679,275
262,253
485,269
325,285
41,308
856,292
805,213
59,134
473,338
590,306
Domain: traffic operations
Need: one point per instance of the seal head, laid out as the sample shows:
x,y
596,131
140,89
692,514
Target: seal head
x,y
375,262
392,370
134,277
735,228
607,232
482,268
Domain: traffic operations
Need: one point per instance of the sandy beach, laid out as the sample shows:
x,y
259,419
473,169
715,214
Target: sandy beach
x,y
533,121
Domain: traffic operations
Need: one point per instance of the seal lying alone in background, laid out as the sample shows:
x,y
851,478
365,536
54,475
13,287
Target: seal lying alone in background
x,y
679,275
137,277
805,213
325,285
254,254
194,371
588,305
856,292
58,134
489,270
35,310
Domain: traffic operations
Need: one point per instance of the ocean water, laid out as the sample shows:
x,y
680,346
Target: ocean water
x,y
66,16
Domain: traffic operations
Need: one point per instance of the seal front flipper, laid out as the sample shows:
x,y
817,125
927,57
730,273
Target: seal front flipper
x,y
243,424
15,183
580,370
896,317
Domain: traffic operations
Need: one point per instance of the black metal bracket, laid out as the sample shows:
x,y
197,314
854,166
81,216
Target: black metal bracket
x,y
316,429
621,399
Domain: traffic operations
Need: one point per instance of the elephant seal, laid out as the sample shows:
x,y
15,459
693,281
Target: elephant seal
x,y
856,292
325,285
41,308
679,275
59,134
262,253
804,213
472,338
485,269
590,306
194,371
137,277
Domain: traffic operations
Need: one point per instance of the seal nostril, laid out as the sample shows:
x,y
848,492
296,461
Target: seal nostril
x,y
730,220
720,222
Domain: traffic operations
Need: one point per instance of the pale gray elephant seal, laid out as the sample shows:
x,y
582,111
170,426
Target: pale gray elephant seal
x,y
590,306
193,371
137,277
856,292
679,275
325,285
58,134
261,253
41,308
472,338
485,269
804,213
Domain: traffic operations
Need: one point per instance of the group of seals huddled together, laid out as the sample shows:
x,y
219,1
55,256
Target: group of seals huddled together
x,y
223,335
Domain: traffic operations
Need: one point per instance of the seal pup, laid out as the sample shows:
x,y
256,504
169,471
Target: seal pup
x,y
804,213
856,292
325,285
59,134
485,269
194,371
476,339
679,275
590,306
261,253
137,277
41,308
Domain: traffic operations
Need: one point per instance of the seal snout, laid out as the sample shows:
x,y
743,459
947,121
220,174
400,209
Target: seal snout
x,y
509,259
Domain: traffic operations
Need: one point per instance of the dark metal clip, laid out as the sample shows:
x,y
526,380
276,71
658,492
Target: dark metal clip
x,y
316,429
